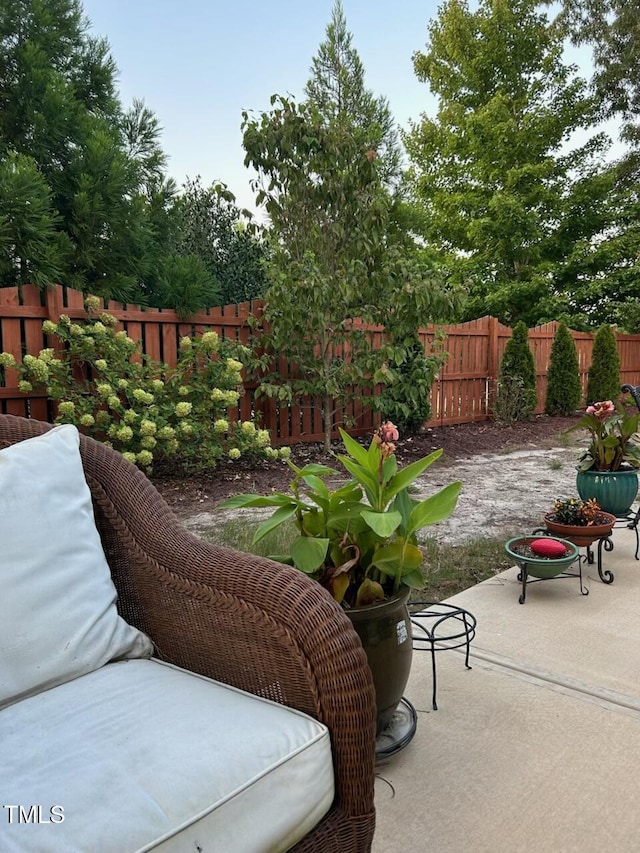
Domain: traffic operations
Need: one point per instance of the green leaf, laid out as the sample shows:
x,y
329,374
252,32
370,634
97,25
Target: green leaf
x,y
281,558
354,448
239,501
413,579
317,469
396,558
406,476
308,553
317,485
404,504
435,508
382,523
279,517
366,480
389,468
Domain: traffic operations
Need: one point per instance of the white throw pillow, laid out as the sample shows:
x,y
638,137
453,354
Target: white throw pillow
x,y
58,617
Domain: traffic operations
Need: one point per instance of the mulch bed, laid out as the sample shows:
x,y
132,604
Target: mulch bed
x,y
190,493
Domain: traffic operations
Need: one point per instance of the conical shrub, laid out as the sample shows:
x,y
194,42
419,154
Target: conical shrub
x,y
564,391
516,393
604,373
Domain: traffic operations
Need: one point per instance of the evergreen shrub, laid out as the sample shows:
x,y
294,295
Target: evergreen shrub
x,y
564,391
516,396
604,373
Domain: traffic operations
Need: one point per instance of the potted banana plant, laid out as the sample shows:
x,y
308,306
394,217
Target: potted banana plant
x,y
360,542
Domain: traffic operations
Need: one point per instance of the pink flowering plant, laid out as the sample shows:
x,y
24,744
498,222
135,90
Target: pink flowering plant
x,y
359,540
612,430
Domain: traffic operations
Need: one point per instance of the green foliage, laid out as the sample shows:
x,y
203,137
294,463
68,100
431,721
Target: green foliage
x,y
337,90
629,316
516,393
604,373
359,550
31,250
610,27
564,391
185,285
575,512
214,229
105,386
611,432
406,399
333,263
85,211
512,213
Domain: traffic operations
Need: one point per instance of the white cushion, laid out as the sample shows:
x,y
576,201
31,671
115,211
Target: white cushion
x,y
58,618
141,755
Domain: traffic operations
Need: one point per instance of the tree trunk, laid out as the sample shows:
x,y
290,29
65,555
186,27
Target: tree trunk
x,y
328,421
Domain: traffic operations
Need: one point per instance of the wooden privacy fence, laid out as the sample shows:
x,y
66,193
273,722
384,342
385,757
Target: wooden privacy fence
x,y
463,391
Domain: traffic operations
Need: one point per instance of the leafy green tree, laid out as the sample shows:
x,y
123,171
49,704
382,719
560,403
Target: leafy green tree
x,y
213,228
610,28
332,268
564,391
516,394
185,285
629,317
604,374
58,106
506,206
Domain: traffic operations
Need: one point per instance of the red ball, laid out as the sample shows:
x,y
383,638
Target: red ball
x,y
548,548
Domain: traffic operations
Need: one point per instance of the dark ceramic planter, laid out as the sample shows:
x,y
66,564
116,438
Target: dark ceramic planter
x,y
614,491
580,535
385,632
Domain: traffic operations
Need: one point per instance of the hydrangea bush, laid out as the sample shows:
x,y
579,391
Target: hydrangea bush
x,y
107,387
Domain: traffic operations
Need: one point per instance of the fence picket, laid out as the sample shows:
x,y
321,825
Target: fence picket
x,y
463,391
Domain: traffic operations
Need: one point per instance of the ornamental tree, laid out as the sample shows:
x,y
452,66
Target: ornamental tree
x,y
333,270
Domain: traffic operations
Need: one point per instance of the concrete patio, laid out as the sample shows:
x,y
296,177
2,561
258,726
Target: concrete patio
x,y
537,747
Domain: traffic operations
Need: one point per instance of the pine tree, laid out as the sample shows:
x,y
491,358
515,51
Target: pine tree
x,y
59,107
516,397
563,377
337,90
604,373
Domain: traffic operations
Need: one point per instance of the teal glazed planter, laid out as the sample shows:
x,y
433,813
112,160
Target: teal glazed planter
x,y
614,491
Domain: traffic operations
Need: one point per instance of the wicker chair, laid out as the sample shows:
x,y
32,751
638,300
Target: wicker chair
x,y
246,621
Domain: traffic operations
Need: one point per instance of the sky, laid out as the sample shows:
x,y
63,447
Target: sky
x,y
198,64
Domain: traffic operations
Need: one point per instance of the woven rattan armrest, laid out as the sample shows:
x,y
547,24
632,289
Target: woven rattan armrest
x,y
243,620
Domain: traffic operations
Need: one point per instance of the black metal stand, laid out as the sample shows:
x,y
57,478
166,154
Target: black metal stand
x,y
631,521
440,626
524,577
399,732
605,543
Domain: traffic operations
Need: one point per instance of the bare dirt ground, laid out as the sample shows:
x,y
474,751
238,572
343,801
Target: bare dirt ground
x,y
510,475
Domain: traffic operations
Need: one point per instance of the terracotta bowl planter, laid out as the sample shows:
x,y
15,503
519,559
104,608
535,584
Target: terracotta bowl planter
x,y
580,535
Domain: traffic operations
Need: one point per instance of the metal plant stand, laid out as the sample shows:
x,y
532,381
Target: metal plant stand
x,y
400,731
438,626
605,543
631,522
